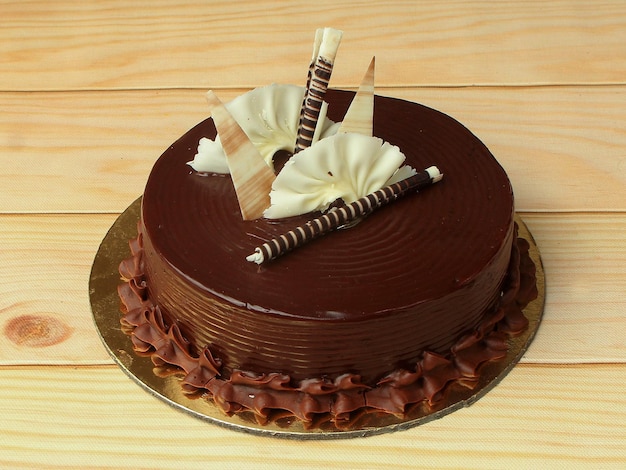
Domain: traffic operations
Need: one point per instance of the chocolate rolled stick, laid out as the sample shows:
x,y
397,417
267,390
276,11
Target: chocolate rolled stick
x,y
319,33
343,215
317,84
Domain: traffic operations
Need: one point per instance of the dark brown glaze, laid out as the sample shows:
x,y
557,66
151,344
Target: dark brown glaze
x,y
415,276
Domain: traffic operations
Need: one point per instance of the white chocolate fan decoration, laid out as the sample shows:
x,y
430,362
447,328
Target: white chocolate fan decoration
x,y
269,116
210,157
345,166
251,176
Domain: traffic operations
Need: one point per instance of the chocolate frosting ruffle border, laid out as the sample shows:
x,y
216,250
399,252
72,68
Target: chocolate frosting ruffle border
x,y
320,402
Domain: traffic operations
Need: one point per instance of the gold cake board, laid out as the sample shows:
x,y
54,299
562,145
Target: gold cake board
x,y
105,304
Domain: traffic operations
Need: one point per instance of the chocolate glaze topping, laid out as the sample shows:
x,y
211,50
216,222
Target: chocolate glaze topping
x,y
379,303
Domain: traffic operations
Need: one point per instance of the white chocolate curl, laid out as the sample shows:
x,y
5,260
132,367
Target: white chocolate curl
x,y
269,116
344,166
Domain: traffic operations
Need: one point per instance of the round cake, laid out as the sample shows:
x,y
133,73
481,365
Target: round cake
x,y
379,316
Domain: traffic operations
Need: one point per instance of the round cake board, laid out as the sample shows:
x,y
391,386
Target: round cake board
x,y
165,384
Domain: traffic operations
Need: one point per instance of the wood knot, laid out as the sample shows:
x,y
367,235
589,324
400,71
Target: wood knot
x,y
36,331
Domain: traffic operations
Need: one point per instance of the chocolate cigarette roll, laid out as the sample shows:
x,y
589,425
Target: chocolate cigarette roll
x,y
317,84
313,103
319,34
338,217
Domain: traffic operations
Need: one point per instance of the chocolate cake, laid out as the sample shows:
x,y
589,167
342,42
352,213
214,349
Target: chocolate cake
x,y
376,317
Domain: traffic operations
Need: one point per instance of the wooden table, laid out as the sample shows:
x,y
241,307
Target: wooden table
x,y
92,92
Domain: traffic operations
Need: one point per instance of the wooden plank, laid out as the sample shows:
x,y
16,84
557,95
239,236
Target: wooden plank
x,y
585,266
63,148
98,417
92,152
561,147
116,44
77,143
45,263
45,316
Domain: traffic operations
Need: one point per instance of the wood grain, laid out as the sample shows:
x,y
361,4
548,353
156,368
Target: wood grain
x,y
91,94
114,44
97,417
92,152
46,261
68,152
584,257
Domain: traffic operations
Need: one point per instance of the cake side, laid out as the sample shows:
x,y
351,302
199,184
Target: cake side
x,y
370,346
275,396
